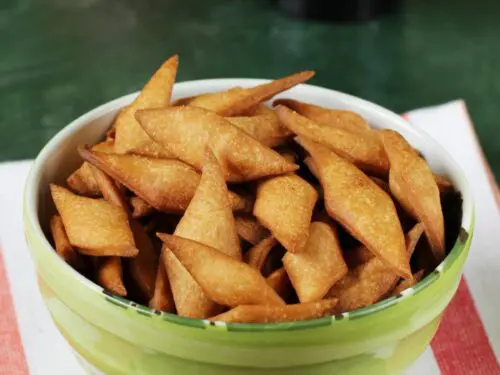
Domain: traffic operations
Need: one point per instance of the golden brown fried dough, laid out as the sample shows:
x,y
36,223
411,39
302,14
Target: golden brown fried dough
x,y
363,286
144,266
249,229
162,299
109,190
187,131
275,314
280,282
140,208
108,274
156,93
166,184
224,279
265,128
191,301
335,118
238,100
284,205
363,149
62,245
414,186
208,220
107,146
82,180
361,254
405,284
315,270
412,238
94,226
369,282
360,206
257,255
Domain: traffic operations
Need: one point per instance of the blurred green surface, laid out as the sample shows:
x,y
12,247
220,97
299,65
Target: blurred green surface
x,y
60,58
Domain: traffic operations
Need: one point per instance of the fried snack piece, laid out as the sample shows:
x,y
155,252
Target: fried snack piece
x,y
224,279
238,100
208,220
361,254
363,149
156,93
360,206
369,282
280,282
187,131
162,299
109,189
265,128
94,226
315,270
140,208
257,255
249,229
412,238
82,180
143,268
341,119
108,274
166,184
414,186
405,284
275,314
284,205
62,245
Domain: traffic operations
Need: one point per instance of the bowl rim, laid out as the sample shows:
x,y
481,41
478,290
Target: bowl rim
x,y
32,186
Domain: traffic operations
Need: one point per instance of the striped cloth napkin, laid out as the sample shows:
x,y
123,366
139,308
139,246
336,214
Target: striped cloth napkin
x,y
468,340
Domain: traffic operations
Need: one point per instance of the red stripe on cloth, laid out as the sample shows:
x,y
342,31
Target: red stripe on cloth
x,y
461,345
12,359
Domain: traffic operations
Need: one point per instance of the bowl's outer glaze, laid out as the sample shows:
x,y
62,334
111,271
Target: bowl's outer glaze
x,y
119,337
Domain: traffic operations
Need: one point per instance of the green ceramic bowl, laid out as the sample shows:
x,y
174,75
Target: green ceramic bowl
x,y
115,336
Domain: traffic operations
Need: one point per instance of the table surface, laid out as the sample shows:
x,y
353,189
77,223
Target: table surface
x,y
61,58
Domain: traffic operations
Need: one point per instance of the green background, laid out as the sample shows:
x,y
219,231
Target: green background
x,y
60,58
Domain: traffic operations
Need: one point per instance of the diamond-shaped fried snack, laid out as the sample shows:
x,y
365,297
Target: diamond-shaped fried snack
x,y
284,205
360,206
186,132
238,100
130,137
274,314
335,118
166,184
414,186
225,280
364,150
94,226
316,269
